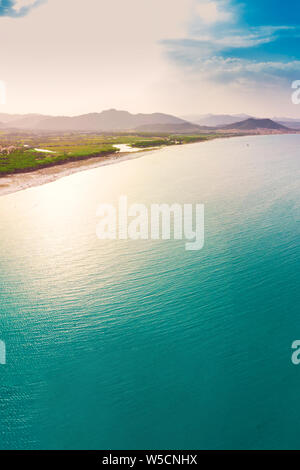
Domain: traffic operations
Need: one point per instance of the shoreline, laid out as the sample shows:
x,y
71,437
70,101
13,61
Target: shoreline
x,y
29,179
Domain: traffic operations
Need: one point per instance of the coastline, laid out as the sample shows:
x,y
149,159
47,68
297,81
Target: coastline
x,y
20,181
29,179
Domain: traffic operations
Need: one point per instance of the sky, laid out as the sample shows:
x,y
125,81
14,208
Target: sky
x,y
184,57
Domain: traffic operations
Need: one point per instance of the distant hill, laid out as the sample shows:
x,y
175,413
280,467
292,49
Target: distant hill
x,y
215,120
26,122
252,124
110,120
291,125
289,122
106,121
16,120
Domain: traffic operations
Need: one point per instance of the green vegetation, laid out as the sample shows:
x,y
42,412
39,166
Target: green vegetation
x,y
18,154
21,160
171,140
151,143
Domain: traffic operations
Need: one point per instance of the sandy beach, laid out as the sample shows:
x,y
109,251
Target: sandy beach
x,y
20,181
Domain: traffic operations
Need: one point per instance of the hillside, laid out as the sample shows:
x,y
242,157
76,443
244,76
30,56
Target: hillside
x,y
106,121
215,120
252,124
289,122
110,120
22,120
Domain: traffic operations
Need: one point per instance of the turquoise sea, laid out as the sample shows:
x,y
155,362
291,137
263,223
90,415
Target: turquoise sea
x,y
141,344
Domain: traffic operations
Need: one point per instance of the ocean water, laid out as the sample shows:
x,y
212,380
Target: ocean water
x,y
143,345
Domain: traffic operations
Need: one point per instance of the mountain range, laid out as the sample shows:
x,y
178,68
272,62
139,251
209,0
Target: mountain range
x,y
221,120
113,120
106,121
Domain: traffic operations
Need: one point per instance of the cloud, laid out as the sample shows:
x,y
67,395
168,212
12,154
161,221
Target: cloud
x,y
212,12
123,65
244,71
18,8
19,4
219,45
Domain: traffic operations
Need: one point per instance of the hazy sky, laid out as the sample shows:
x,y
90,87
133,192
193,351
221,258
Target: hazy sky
x,y
176,56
